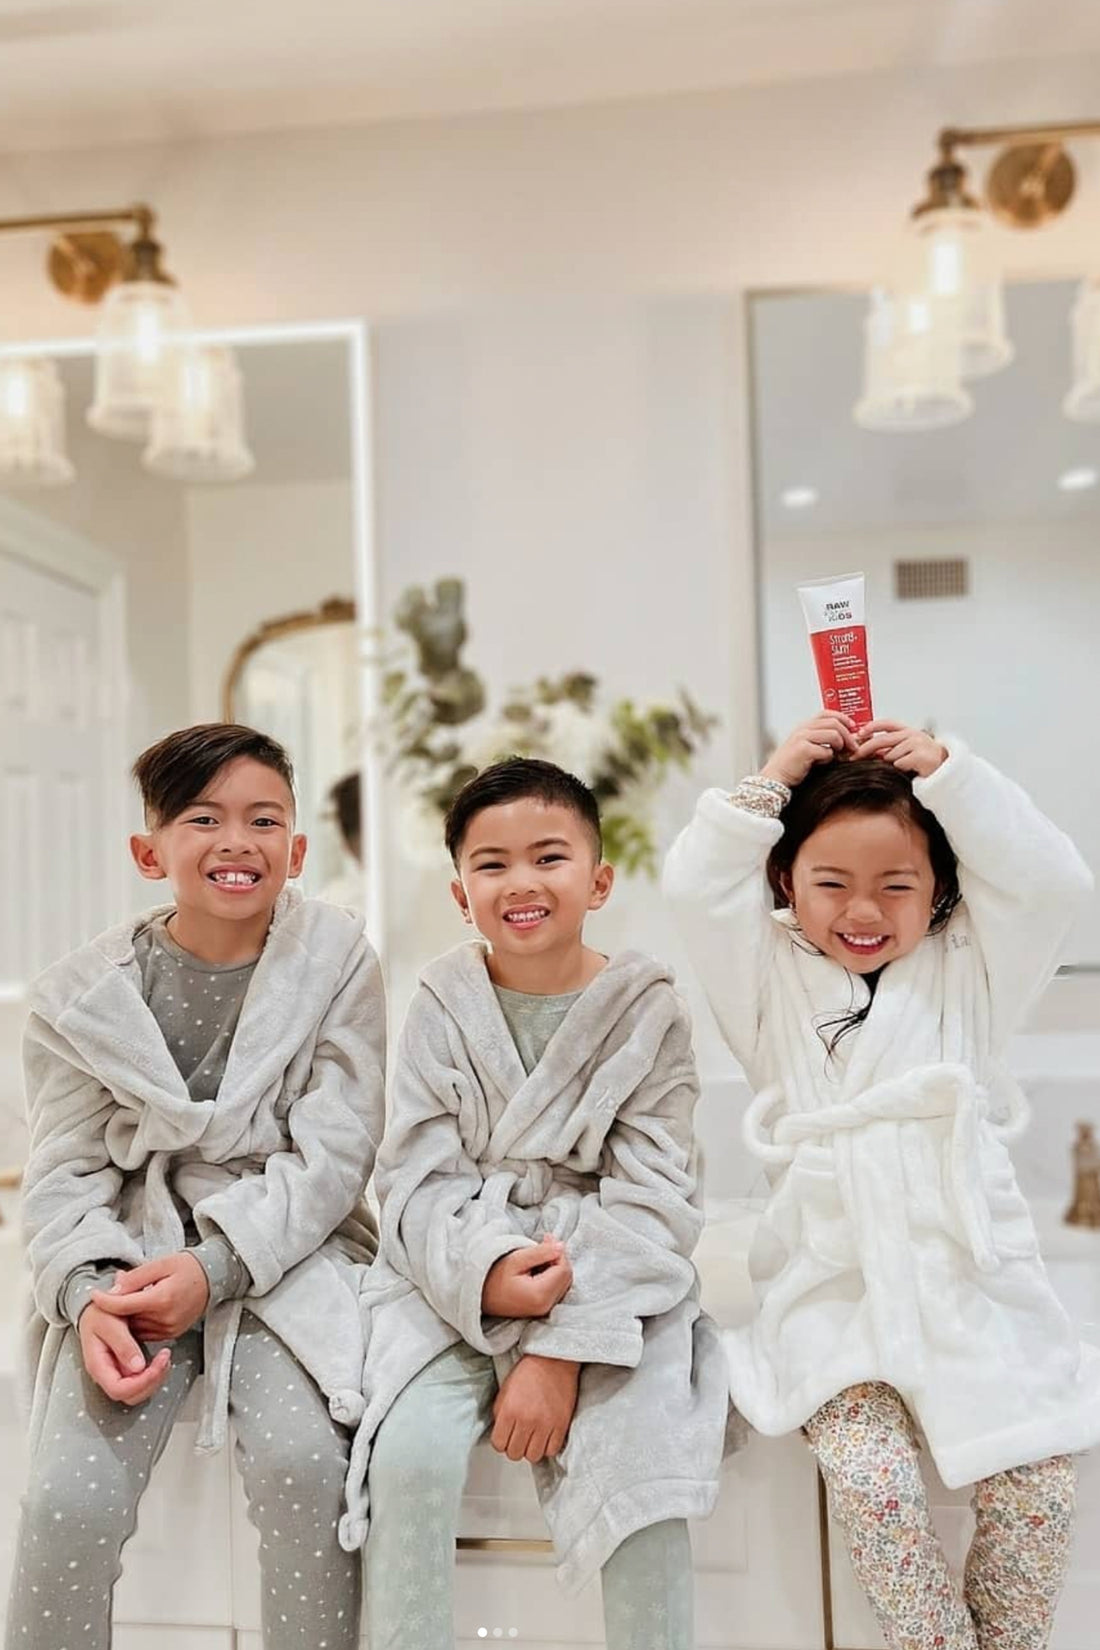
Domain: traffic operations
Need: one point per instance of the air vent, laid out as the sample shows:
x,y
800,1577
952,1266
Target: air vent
x,y
922,581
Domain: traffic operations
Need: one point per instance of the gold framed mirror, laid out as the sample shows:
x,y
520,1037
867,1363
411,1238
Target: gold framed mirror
x,y
295,677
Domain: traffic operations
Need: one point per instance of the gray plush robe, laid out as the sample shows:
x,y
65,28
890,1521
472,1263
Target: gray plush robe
x,y
596,1148
277,1162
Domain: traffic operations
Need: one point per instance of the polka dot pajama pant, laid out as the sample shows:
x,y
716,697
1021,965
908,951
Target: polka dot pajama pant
x,y
866,1446
93,1463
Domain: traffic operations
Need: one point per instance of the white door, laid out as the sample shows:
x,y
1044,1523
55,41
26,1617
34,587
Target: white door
x,y
58,843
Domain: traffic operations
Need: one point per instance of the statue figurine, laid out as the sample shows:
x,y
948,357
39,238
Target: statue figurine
x,y
1085,1208
437,626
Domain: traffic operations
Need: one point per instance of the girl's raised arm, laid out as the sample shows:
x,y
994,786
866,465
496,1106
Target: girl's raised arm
x,y
1022,879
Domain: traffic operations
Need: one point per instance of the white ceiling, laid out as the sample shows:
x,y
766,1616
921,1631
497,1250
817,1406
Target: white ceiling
x,y
1001,465
104,71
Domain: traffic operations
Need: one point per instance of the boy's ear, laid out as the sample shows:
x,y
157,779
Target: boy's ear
x,y
459,895
298,845
143,851
602,883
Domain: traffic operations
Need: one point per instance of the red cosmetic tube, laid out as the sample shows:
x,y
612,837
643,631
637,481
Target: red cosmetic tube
x,y
834,610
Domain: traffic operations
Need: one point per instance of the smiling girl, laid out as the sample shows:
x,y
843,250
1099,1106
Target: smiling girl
x,y
872,916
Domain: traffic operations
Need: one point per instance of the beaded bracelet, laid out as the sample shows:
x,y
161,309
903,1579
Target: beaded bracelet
x,y
757,794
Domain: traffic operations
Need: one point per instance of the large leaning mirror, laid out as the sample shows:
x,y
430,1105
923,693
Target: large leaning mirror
x,y
978,541
134,601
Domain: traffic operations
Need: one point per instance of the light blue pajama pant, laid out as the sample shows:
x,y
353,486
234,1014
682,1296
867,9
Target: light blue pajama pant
x,y
417,1476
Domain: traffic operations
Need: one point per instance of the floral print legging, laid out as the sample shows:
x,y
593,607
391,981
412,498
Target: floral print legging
x,y
866,1445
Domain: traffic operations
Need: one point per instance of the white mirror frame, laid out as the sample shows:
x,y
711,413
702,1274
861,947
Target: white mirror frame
x,y
355,334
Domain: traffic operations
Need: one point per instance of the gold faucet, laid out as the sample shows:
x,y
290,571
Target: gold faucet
x,y
10,1181
1085,1208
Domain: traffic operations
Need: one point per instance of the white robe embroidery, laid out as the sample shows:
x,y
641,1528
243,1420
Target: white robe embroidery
x,y
277,1162
595,1147
895,1245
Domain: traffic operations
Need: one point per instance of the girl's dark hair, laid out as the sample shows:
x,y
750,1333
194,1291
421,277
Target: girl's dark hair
x,y
176,771
514,778
866,786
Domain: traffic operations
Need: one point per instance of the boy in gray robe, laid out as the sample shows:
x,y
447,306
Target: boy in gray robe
x,y
540,1204
205,1086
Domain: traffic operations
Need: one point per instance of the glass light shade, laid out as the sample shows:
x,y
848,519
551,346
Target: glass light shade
x,y
139,323
1083,401
912,370
956,266
197,431
32,425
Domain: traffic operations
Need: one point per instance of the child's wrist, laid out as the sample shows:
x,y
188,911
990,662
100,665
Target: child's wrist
x,y
761,793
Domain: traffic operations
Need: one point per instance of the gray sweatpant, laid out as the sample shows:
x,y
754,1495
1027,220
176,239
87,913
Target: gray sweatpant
x,y
94,1461
417,1475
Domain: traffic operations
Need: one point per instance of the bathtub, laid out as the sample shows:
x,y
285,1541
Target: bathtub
x,y
190,1576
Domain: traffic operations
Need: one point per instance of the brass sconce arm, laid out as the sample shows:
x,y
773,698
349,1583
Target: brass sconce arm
x,y
87,257
958,137
143,216
1030,181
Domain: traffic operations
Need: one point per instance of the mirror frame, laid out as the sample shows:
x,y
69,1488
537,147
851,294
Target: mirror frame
x,y
333,610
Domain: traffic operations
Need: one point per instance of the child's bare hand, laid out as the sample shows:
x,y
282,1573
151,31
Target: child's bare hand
x,y
528,1282
910,749
818,740
534,1408
161,1299
115,1361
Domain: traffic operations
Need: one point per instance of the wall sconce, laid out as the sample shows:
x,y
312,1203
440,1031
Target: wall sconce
x,y
951,266
145,371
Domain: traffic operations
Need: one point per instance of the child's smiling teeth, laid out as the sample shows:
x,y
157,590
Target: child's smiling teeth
x,y
235,879
525,918
865,942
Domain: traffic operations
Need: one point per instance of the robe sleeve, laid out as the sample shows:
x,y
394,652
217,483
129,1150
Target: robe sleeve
x,y
71,1188
714,881
1022,879
435,1230
276,1218
631,1248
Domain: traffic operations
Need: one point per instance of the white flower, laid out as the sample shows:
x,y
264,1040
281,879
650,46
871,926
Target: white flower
x,y
491,740
575,739
420,832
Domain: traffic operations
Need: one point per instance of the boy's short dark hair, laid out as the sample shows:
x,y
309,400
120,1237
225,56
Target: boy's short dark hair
x,y
176,770
511,780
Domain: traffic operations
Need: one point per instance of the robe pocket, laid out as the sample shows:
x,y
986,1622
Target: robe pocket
x,y
826,1225
1014,1234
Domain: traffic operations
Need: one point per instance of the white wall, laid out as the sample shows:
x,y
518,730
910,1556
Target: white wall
x,y
256,552
570,460
1012,667
795,184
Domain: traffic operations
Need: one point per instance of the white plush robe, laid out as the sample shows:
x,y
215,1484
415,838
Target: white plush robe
x,y
277,1162
595,1147
895,1245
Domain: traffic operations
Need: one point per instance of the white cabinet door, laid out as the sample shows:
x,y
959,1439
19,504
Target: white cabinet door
x,y
53,702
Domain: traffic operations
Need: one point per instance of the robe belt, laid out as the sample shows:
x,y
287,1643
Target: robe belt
x,y
865,1134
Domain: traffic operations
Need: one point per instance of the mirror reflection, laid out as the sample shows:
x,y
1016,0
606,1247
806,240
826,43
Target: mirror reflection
x,y
978,543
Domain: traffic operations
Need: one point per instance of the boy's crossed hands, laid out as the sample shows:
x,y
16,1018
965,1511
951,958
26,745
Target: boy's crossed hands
x,y
157,1301
534,1407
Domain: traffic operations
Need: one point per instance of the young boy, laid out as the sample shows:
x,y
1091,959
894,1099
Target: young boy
x,y
540,1205
205,1087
